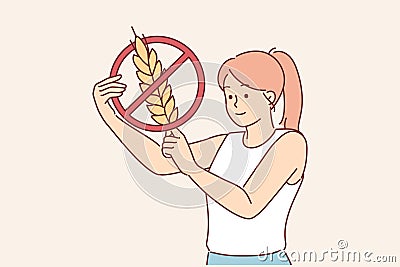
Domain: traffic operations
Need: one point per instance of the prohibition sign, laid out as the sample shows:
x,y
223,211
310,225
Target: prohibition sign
x,y
186,54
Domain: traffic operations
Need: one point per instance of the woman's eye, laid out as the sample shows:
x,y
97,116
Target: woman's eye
x,y
230,96
246,96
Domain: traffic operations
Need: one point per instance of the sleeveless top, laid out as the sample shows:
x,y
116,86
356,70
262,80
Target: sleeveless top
x,y
234,235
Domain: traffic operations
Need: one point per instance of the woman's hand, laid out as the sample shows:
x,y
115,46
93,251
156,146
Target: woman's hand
x,y
106,89
176,147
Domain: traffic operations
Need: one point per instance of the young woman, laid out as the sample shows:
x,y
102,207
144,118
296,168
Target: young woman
x,y
251,176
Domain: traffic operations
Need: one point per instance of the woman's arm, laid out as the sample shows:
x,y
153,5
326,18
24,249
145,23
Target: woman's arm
x,y
284,162
143,148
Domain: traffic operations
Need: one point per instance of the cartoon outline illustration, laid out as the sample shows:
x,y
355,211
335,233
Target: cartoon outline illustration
x,y
249,215
161,78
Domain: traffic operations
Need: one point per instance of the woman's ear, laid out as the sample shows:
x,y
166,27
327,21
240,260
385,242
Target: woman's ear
x,y
270,96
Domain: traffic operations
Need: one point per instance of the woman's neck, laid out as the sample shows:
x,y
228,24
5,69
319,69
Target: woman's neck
x,y
258,133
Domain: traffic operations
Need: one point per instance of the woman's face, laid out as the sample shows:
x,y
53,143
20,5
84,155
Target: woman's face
x,y
246,106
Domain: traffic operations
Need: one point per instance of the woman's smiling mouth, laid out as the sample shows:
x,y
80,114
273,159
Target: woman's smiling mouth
x,y
244,112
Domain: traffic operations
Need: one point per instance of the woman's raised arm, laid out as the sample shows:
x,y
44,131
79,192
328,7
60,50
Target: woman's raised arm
x,y
143,148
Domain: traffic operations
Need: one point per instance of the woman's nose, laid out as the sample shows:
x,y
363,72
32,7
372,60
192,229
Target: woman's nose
x,y
236,100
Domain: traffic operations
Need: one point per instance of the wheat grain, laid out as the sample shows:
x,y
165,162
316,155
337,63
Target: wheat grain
x,y
161,103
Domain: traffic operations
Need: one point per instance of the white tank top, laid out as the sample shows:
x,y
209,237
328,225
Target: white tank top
x,y
234,235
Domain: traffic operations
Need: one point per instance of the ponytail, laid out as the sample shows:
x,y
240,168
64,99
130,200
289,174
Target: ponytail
x,y
292,92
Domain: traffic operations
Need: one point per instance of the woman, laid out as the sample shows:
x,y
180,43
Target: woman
x,y
252,176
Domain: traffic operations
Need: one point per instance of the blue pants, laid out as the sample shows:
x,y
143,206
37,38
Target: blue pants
x,y
277,258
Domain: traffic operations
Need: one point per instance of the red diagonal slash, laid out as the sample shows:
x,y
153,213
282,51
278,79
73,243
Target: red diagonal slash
x,y
164,76
187,55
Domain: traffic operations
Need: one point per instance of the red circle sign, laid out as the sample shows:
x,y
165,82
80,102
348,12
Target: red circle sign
x,y
186,54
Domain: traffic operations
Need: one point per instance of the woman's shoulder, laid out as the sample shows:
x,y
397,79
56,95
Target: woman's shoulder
x,y
290,137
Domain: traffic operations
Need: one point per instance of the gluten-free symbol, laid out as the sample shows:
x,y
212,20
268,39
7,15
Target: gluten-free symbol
x,y
187,54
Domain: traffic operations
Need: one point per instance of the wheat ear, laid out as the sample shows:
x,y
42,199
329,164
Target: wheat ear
x,y
161,102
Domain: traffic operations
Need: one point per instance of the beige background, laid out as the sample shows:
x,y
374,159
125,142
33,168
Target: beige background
x,y
66,196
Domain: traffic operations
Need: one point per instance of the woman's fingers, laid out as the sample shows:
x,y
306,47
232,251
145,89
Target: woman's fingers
x,y
170,139
167,152
168,148
111,95
168,145
106,89
113,84
109,80
112,90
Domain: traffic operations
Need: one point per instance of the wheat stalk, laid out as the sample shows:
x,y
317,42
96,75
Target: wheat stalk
x,y
161,103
